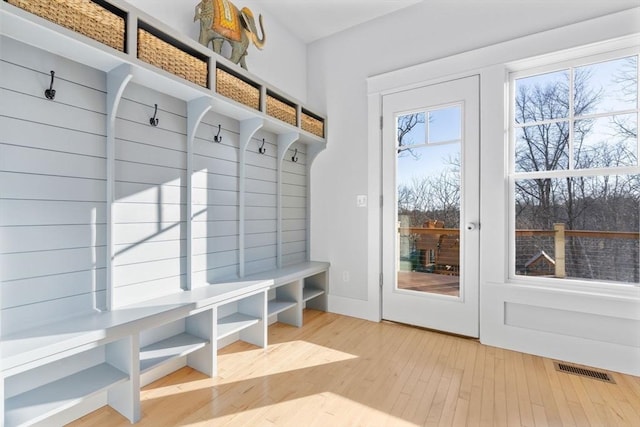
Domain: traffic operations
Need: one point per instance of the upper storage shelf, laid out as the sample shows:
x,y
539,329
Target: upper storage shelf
x,y
105,34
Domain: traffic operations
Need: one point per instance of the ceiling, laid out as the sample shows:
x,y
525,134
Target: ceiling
x,y
310,20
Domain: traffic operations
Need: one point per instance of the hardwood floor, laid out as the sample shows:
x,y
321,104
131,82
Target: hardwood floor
x,y
341,371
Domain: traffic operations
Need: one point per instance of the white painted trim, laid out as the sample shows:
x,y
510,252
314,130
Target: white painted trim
x,y
353,307
622,25
196,110
117,81
248,128
285,141
493,63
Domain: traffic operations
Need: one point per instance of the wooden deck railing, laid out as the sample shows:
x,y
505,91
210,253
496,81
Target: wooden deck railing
x,y
559,233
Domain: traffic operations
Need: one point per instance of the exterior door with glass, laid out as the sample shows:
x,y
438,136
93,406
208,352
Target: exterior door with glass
x,y
430,215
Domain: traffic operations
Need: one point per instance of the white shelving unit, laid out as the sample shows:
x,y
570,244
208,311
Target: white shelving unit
x,y
41,403
295,288
115,352
36,31
244,319
37,393
168,349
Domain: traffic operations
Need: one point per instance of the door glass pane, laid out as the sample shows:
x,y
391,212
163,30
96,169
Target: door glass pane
x,y
428,196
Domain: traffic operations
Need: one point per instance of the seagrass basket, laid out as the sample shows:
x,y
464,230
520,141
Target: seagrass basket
x,y
159,53
312,124
282,110
83,16
235,88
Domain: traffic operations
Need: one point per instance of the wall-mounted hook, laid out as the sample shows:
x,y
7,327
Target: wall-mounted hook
x,y
218,138
294,158
261,149
50,93
153,121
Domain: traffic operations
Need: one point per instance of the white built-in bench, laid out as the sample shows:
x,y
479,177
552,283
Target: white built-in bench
x,y
67,368
294,288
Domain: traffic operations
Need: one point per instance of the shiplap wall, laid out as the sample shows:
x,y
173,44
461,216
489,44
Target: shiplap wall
x,y
149,211
52,187
294,206
215,200
261,205
53,194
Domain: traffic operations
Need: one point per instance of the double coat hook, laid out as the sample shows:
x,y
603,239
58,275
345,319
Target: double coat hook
x,y
218,138
153,121
294,158
262,148
51,93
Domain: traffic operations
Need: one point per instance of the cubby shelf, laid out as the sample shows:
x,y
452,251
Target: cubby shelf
x,y
36,31
234,323
311,293
168,349
42,402
278,306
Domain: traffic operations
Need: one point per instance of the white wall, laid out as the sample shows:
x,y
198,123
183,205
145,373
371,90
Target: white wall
x,y
282,62
338,68
348,237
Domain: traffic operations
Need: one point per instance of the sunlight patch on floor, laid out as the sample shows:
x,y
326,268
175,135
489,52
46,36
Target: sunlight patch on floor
x,y
278,358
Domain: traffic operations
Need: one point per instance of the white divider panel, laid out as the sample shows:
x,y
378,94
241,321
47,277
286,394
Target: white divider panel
x,y
215,200
294,206
261,204
150,193
52,187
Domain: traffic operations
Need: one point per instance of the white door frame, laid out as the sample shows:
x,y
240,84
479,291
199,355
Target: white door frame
x,y
455,314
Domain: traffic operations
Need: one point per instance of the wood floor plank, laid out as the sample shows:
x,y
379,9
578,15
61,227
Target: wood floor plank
x,y
341,371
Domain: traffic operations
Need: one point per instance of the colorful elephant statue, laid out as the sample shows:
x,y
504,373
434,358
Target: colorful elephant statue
x,y
221,20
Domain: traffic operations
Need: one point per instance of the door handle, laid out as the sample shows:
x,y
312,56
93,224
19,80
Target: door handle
x,y
472,226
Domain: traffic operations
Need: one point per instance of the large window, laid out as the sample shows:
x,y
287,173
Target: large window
x,y
575,177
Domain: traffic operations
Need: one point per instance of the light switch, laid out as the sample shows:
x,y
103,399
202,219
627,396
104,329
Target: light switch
x,y
361,201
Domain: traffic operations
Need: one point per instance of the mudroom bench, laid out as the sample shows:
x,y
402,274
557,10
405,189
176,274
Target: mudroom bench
x,y
67,368
294,288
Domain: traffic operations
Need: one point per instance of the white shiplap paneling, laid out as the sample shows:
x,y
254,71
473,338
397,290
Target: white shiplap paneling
x,y
52,180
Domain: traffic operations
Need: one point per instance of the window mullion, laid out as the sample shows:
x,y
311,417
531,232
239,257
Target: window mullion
x,y
571,116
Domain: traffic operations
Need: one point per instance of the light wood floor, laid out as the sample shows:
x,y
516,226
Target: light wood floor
x,y
341,371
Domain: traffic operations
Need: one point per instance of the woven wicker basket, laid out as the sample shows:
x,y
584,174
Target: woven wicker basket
x,y
281,110
82,16
161,54
237,89
312,125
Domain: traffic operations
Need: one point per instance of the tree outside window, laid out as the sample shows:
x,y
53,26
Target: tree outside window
x,y
575,166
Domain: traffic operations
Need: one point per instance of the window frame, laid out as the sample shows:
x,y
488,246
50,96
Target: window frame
x,y
549,64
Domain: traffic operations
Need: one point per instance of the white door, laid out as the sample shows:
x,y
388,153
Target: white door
x,y
430,215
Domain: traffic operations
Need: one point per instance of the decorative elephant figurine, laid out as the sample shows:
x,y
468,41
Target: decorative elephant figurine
x,y
221,20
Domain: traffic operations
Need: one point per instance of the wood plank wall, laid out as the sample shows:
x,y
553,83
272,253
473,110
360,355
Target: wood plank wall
x,y
294,207
52,187
53,194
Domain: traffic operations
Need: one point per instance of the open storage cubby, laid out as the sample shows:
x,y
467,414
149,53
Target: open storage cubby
x,y
168,347
95,19
281,109
164,49
314,291
295,287
244,319
100,375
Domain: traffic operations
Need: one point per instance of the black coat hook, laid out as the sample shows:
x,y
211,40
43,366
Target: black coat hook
x,y
153,121
51,93
294,158
218,138
261,149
